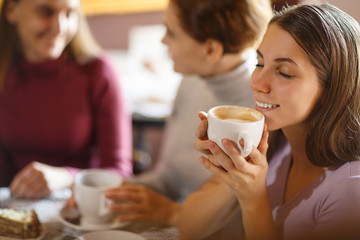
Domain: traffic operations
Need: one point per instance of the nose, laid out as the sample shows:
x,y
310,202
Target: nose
x,y
164,39
260,80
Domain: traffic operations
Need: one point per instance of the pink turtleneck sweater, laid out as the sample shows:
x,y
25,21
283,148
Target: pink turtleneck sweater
x,y
64,114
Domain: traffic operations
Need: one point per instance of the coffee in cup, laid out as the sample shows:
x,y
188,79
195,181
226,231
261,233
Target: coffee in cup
x,y
236,123
89,192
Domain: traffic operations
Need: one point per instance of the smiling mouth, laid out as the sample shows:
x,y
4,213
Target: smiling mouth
x,y
267,105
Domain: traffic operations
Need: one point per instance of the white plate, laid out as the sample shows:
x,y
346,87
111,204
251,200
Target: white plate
x,y
110,235
41,236
83,226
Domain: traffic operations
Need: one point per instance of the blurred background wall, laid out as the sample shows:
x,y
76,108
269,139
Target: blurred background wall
x,y
131,31
111,20
112,30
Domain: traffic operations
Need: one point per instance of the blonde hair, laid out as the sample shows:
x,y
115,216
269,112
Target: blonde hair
x,y
82,47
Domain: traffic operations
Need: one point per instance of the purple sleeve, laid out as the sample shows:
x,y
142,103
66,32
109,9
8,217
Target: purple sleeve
x,y
113,129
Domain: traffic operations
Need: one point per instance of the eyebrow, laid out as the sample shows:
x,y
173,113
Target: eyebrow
x,y
289,60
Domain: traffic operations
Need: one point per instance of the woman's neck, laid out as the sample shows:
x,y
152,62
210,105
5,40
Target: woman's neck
x,y
302,172
225,64
296,136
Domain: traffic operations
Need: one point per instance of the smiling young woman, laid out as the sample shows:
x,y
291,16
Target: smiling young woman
x,y
61,105
307,85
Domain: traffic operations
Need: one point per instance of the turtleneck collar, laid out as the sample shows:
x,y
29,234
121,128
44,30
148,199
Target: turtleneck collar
x,y
247,61
236,82
42,69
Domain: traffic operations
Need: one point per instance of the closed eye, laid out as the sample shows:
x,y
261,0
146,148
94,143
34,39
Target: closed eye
x,y
285,75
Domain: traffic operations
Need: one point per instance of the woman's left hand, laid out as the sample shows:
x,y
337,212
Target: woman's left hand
x,y
245,176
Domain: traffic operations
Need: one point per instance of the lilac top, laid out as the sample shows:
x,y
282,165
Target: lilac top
x,y
64,114
330,200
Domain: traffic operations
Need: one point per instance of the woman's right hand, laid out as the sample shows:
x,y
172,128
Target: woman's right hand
x,y
37,180
134,202
245,176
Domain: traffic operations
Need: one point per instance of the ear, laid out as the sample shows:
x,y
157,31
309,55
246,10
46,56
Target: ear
x,y
11,12
214,50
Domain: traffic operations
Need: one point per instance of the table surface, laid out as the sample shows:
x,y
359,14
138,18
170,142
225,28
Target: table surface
x,y
48,212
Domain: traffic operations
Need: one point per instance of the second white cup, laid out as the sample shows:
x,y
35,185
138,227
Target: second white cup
x,y
89,192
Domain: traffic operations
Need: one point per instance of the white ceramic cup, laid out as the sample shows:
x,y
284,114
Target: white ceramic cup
x,y
89,192
235,123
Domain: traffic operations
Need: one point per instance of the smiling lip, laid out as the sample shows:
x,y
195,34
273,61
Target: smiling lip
x,y
266,105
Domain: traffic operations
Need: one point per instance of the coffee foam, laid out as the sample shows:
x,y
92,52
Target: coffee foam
x,y
237,120
237,114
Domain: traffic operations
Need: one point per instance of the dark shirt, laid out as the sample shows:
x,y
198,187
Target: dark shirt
x,y
63,113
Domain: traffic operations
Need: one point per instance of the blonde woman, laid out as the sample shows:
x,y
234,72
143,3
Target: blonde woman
x,y
61,105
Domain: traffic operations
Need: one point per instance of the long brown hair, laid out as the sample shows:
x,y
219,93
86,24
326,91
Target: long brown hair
x,y
236,24
82,47
331,40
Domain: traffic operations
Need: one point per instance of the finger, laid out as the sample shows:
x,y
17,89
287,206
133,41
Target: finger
x,y
21,183
126,207
202,115
257,157
238,161
71,202
34,187
201,131
202,146
131,217
126,187
222,157
39,189
20,178
263,145
124,196
216,171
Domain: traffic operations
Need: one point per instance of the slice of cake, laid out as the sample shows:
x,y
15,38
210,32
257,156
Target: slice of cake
x,y
19,223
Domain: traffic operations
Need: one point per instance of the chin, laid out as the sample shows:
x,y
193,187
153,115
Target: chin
x,y
55,51
184,71
176,69
54,54
271,126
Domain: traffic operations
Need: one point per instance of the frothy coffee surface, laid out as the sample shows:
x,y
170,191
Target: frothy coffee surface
x,y
237,114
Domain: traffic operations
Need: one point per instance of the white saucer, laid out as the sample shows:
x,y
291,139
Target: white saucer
x,y
110,235
84,226
41,235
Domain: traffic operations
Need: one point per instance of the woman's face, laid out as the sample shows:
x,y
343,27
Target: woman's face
x,y
187,54
44,27
285,83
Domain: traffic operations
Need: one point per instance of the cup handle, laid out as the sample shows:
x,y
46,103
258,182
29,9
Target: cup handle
x,y
104,205
244,151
